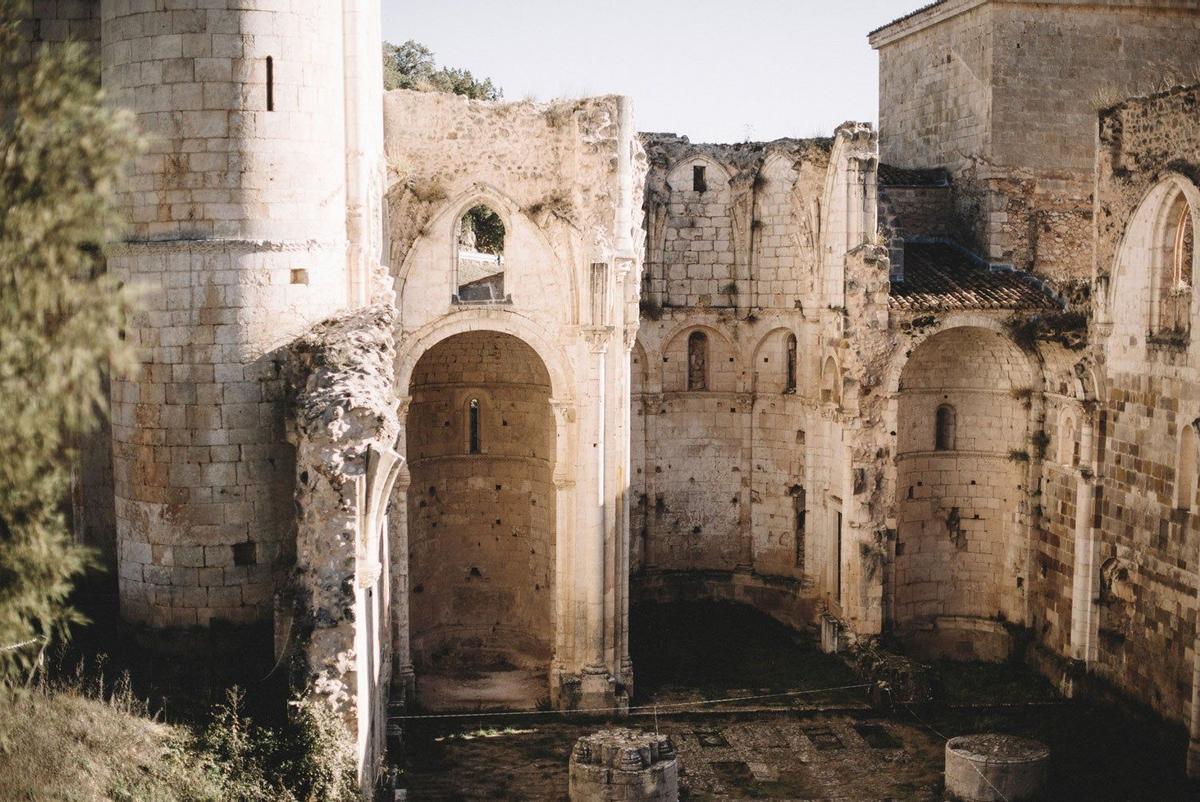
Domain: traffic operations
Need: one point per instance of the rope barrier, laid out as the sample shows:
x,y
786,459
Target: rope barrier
x,y
650,707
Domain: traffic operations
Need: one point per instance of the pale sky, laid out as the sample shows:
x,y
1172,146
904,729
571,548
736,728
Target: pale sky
x,y
714,71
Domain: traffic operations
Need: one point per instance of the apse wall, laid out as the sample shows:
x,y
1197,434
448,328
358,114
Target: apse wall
x,y
481,508
961,544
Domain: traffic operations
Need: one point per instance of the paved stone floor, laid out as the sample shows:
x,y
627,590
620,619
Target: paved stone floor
x,y
807,746
780,756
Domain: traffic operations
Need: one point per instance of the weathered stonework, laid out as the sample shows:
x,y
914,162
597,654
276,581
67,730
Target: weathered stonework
x,y
620,765
1144,567
515,411
239,214
336,621
1004,96
950,397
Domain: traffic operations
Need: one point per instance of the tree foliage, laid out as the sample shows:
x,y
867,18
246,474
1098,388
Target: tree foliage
x,y
482,230
61,154
413,66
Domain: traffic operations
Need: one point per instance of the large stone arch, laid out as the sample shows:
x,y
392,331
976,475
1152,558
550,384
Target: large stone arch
x,y
1130,303
504,321
482,525
768,361
961,530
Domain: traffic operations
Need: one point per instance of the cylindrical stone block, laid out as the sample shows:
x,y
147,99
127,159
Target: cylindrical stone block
x,y
995,768
622,765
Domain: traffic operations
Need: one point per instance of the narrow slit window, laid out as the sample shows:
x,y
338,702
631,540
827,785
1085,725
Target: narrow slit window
x,y
697,367
699,184
270,83
799,516
945,424
790,384
473,425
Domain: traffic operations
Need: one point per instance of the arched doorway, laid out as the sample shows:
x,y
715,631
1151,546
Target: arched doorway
x,y
962,466
481,518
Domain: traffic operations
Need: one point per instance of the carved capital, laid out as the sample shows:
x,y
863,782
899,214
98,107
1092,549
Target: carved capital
x,y
598,338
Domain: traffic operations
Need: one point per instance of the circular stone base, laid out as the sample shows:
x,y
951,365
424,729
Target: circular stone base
x,y
624,765
995,768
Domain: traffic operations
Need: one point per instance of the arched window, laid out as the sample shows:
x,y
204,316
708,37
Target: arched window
x,y
1066,440
790,385
473,426
697,366
831,384
945,426
480,256
1173,258
1185,470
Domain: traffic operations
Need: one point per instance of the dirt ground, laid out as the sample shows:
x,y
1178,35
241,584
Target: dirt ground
x,y
791,743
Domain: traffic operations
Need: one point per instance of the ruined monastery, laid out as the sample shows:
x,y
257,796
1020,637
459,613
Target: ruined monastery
x,y
430,383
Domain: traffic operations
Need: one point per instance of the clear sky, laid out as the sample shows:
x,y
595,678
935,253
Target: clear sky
x,y
715,70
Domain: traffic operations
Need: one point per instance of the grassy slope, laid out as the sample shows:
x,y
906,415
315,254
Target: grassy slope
x,y
62,745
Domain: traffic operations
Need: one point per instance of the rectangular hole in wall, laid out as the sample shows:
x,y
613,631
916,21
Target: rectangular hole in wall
x,y
245,553
299,276
698,182
270,83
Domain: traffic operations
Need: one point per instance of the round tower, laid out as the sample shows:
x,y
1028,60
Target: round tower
x,y
238,243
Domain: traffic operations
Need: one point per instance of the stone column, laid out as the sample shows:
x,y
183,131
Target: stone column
x,y
564,547
1084,620
404,680
590,538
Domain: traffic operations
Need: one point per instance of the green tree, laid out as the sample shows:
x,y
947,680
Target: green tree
x,y
61,154
413,66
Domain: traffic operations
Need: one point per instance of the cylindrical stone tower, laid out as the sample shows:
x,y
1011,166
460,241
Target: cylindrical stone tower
x,y
238,239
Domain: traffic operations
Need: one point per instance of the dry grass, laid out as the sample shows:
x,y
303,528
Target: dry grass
x,y
68,746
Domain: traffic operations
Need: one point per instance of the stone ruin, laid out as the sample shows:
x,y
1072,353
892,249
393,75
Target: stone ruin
x,y
623,765
934,380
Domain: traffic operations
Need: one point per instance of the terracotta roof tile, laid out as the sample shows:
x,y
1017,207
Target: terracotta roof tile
x,y
944,276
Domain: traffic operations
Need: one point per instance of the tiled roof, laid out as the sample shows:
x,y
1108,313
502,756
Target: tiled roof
x,y
941,275
890,176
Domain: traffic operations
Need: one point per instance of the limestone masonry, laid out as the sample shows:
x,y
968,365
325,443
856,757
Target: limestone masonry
x,y
439,388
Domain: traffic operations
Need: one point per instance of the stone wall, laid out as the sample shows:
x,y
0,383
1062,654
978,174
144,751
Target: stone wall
x,y
481,506
961,543
1004,95
1142,632
740,478
238,242
562,178
335,620
63,20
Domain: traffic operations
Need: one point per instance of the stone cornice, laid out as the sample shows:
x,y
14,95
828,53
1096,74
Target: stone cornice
x,y
942,10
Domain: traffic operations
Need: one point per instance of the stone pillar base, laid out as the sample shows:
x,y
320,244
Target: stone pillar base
x,y
598,688
404,684
592,689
